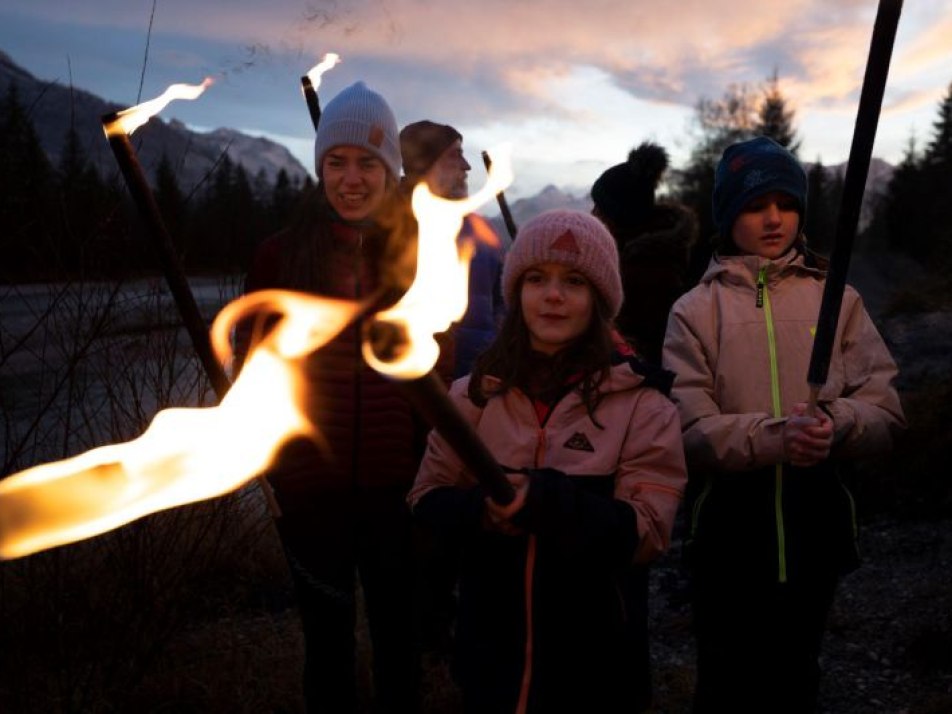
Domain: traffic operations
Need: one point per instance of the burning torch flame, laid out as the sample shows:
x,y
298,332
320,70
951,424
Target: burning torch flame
x,y
128,120
185,455
188,455
439,293
327,61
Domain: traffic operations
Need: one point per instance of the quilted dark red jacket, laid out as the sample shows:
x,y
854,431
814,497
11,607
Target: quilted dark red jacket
x,y
372,438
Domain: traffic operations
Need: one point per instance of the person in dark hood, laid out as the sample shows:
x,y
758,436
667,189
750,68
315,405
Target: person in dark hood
x,y
654,241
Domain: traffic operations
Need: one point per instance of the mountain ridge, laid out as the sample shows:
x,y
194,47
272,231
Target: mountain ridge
x,y
54,107
194,154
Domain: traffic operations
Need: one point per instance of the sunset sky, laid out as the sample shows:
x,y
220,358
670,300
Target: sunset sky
x,y
572,85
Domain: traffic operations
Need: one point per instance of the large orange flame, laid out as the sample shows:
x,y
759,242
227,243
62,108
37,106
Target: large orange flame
x,y
187,455
440,290
128,120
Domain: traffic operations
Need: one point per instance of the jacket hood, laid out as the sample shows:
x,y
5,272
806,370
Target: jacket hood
x,y
670,233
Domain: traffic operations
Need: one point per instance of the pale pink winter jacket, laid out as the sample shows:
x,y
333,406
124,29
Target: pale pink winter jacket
x,y
640,444
717,345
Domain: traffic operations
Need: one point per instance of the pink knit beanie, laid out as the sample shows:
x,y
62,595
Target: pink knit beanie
x,y
570,238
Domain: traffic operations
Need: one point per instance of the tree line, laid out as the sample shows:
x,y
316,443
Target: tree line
x,y
68,222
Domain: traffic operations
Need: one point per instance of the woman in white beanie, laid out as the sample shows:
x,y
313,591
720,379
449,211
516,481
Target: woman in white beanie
x,y
592,447
342,503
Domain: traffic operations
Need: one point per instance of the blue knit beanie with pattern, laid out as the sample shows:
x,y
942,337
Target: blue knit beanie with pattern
x,y
358,116
752,168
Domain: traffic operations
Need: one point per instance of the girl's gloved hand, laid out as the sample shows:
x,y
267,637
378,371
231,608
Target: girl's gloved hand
x,y
499,518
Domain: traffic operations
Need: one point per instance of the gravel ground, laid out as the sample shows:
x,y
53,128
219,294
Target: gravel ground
x,y
888,648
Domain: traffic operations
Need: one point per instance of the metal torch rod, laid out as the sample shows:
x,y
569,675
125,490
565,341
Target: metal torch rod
x,y
857,169
428,395
511,226
313,103
174,275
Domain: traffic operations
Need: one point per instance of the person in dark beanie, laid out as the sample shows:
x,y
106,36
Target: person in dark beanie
x,y
654,241
592,447
342,498
433,153
772,526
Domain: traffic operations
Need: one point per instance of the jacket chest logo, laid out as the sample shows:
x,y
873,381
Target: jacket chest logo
x,y
579,442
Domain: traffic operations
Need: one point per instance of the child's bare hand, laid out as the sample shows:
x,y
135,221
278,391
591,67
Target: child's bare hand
x,y
499,517
807,440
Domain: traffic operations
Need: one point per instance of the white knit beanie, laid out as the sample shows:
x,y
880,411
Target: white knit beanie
x,y
358,116
571,238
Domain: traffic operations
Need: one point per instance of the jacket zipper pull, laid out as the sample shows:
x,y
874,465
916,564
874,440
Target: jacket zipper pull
x,y
761,285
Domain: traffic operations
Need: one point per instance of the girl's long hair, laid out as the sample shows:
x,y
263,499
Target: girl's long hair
x,y
511,359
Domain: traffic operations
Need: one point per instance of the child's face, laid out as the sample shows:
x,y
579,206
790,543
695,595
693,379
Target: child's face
x,y
557,304
767,225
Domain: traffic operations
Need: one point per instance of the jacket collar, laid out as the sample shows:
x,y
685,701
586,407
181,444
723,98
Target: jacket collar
x,y
745,269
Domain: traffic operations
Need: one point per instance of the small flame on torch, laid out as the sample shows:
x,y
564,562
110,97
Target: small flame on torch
x,y
438,295
328,61
128,120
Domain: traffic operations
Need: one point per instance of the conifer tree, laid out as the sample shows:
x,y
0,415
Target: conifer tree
x,y
775,118
939,151
283,198
83,203
901,221
820,219
26,185
246,223
934,204
171,201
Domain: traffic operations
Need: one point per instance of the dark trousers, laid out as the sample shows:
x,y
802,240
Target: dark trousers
x,y
758,642
330,540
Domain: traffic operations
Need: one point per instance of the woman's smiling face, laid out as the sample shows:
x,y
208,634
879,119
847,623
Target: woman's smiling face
x,y
354,180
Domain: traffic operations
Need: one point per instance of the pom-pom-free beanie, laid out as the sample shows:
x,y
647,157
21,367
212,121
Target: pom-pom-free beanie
x,y
421,144
571,238
358,116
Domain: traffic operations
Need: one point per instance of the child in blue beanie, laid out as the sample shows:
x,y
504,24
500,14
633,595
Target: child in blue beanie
x,y
772,528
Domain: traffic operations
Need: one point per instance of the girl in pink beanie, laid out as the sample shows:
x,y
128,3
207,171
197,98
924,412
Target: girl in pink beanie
x,y
592,448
